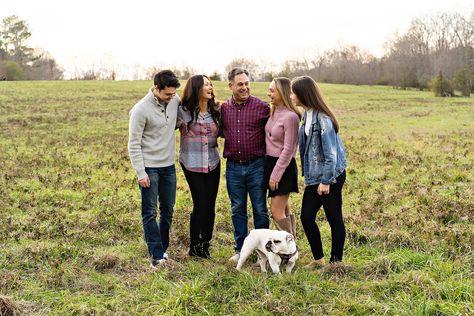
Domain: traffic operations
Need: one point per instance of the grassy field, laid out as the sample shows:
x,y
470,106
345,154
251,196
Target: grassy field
x,y
71,240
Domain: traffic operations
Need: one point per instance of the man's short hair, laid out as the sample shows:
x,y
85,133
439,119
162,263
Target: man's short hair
x,y
166,78
235,72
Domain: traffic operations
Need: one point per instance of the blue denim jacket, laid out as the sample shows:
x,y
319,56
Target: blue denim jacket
x,y
322,153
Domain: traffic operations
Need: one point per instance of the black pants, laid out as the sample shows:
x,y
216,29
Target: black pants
x,y
204,188
332,204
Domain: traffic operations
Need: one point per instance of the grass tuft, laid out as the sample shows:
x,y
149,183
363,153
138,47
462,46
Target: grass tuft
x,y
105,262
8,307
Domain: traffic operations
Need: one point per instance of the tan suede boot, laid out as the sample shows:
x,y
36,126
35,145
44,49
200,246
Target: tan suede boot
x,y
285,224
316,264
293,224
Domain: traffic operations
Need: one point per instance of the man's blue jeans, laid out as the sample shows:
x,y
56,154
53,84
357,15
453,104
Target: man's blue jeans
x,y
163,189
243,180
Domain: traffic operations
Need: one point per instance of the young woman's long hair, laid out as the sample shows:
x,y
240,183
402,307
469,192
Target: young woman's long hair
x,y
190,99
310,96
283,86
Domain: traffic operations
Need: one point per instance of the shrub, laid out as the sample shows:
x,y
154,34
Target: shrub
x,y
14,71
215,76
441,86
423,84
463,81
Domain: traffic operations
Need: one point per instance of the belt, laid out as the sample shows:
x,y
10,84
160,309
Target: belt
x,y
242,162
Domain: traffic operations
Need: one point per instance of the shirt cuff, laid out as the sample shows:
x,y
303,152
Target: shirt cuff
x,y
141,174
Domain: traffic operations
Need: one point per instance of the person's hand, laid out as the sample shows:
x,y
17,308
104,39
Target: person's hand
x,y
323,189
183,128
273,185
145,182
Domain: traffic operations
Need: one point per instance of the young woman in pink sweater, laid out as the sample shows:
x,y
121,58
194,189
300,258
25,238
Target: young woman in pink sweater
x,y
281,138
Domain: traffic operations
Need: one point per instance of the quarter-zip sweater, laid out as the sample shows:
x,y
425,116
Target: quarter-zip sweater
x,y
152,141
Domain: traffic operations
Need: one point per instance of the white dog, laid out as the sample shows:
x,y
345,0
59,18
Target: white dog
x,y
274,246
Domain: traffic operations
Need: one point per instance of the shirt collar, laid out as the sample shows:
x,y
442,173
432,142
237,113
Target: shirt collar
x,y
156,99
240,104
204,115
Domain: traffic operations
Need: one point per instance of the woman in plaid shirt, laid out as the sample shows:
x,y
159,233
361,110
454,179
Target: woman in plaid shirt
x,y
198,121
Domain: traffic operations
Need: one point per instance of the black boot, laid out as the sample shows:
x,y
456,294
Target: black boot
x,y
205,250
195,250
194,236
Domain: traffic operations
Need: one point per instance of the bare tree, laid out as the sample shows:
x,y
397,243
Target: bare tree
x,y
44,67
245,63
463,28
185,72
442,42
108,67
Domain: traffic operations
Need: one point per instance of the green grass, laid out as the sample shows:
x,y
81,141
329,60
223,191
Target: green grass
x,y
72,242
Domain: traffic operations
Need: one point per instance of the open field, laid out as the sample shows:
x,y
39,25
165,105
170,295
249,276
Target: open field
x,y
71,240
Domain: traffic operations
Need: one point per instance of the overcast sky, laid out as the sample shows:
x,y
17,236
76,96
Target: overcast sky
x,y
207,34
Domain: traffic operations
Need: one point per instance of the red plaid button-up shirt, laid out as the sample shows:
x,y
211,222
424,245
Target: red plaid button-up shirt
x,y
244,128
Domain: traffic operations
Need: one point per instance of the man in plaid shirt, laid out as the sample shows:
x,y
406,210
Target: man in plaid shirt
x,y
243,122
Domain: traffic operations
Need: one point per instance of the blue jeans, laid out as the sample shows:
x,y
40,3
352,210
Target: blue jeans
x,y
243,180
162,188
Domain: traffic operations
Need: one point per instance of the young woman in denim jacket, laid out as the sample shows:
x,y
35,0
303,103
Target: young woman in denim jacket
x,y
323,161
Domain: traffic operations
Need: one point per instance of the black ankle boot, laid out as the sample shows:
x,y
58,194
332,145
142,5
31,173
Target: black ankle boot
x,y
195,251
205,250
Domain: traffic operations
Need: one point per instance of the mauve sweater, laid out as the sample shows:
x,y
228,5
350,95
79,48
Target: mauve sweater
x,y
281,139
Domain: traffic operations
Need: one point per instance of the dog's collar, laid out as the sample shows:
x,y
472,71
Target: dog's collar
x,y
285,257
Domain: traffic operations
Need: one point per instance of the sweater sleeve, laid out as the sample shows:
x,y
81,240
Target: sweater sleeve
x,y
135,133
181,121
290,141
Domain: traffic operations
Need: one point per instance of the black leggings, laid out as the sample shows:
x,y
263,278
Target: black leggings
x,y
332,204
203,188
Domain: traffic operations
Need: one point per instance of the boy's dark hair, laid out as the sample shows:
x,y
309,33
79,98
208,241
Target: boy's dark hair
x,y
235,72
166,78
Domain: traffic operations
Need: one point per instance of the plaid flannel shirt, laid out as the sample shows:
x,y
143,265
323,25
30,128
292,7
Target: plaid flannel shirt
x,y
244,128
198,150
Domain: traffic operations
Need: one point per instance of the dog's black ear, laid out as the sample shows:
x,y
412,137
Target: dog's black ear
x,y
268,246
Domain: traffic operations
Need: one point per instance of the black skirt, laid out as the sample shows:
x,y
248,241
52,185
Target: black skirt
x,y
289,180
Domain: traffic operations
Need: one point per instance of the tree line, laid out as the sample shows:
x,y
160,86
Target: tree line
x,y
435,52
18,61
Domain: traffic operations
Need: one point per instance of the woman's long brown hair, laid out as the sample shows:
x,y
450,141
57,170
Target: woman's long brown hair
x,y
190,99
310,96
